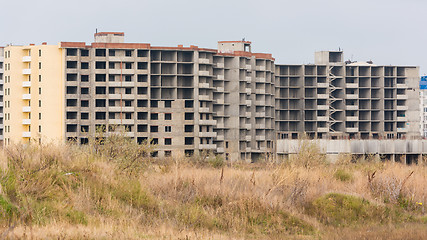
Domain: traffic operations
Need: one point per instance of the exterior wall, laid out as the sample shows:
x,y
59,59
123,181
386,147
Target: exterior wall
x,y
30,114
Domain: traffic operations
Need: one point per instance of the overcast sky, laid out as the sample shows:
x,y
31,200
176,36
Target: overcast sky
x,y
384,31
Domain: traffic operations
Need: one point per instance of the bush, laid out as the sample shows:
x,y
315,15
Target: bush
x,y
216,161
343,175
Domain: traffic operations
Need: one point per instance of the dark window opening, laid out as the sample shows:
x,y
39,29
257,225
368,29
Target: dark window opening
x,y
142,103
189,116
84,65
189,103
154,129
72,64
101,90
154,103
142,128
84,115
71,52
84,129
71,102
84,103
71,127
84,90
154,116
142,115
72,90
84,52
100,65
100,77
100,52
189,140
71,115
142,78
84,78
100,103
70,77
100,115
189,128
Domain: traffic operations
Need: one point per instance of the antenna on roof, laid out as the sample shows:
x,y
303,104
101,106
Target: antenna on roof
x,y
243,39
96,30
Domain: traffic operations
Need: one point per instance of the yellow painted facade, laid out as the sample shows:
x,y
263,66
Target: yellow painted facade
x,y
34,94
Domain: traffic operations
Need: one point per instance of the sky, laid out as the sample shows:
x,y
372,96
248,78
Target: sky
x,y
388,32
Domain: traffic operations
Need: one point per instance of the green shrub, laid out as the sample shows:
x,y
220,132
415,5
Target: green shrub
x,y
216,161
76,217
341,210
7,209
343,175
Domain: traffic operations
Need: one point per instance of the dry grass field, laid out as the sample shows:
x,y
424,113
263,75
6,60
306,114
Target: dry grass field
x,y
113,191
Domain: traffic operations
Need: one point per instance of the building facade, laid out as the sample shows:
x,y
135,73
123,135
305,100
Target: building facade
x,y
1,93
189,99
333,99
34,93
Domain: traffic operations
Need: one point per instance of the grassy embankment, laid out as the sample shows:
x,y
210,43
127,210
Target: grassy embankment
x,y
113,191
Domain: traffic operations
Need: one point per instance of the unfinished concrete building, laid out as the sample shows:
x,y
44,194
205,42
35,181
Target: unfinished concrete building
x,y
184,99
333,99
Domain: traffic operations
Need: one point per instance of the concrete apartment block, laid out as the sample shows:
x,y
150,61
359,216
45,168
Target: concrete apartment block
x,y
185,99
333,99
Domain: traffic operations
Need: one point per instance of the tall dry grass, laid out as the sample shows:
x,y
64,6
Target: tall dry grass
x,y
111,189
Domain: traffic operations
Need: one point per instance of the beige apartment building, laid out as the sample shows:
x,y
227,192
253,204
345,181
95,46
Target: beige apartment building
x,y
33,93
1,92
189,99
